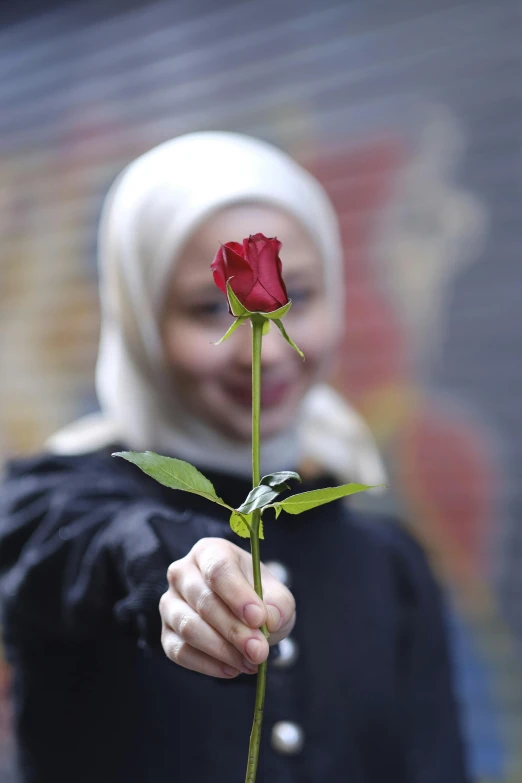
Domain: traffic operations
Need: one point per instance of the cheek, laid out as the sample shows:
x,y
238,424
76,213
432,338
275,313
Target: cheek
x,y
189,351
316,336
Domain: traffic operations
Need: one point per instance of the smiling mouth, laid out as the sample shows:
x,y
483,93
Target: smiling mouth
x,y
272,393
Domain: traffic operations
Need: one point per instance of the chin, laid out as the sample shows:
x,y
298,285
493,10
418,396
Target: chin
x,y
275,420
238,430
241,432
272,426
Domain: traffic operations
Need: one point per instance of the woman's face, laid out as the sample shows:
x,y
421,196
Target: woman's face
x,y
214,382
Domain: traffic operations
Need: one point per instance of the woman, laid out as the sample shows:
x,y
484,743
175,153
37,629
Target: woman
x,y
359,687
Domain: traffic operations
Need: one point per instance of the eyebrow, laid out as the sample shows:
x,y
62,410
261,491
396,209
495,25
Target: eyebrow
x,y
201,286
296,275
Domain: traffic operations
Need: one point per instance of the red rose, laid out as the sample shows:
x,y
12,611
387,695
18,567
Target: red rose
x,y
254,272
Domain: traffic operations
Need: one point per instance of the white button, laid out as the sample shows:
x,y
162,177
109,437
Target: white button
x,y
280,572
288,653
287,738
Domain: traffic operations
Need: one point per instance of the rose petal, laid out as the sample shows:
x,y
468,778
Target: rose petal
x,y
251,255
238,272
254,271
281,278
218,270
261,238
237,247
270,270
260,300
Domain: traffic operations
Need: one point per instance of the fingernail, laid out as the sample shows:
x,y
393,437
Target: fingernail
x,y
254,615
230,671
254,649
276,616
248,667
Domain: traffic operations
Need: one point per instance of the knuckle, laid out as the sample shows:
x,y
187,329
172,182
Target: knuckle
x,y
223,653
174,572
171,615
182,653
215,570
198,547
204,544
162,606
234,634
187,627
206,603
172,646
164,640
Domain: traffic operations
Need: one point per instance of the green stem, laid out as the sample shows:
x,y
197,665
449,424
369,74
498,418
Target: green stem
x,y
255,736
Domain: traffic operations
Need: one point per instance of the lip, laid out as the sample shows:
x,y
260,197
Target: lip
x,y
272,393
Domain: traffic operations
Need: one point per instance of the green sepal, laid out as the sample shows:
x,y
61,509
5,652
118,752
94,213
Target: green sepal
x,y
235,305
240,524
296,504
279,313
239,309
240,320
266,327
288,339
173,473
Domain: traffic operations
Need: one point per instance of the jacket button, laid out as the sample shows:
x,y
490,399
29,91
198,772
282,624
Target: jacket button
x,y
280,572
288,653
287,738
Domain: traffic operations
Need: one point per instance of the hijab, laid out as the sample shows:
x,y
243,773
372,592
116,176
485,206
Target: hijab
x,y
153,207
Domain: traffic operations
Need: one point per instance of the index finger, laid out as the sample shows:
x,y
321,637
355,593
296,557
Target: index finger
x,y
222,572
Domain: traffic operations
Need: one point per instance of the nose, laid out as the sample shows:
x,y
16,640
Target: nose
x,y
272,350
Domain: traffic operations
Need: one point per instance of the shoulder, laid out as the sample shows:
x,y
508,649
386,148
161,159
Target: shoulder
x,y
43,474
47,463
386,532
393,546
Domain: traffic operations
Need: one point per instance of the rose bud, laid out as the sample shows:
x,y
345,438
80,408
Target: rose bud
x,y
254,273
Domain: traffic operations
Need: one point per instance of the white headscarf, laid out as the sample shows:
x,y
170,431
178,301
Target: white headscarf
x,y
155,204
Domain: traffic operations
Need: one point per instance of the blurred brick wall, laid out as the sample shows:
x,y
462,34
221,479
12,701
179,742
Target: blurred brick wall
x,y
410,113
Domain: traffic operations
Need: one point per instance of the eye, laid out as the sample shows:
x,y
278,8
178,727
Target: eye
x,y
300,296
208,309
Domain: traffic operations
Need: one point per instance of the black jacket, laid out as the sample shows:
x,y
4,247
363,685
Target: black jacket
x,y
85,545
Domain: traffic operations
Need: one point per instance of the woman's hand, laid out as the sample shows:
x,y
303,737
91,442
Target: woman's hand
x,y
211,614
